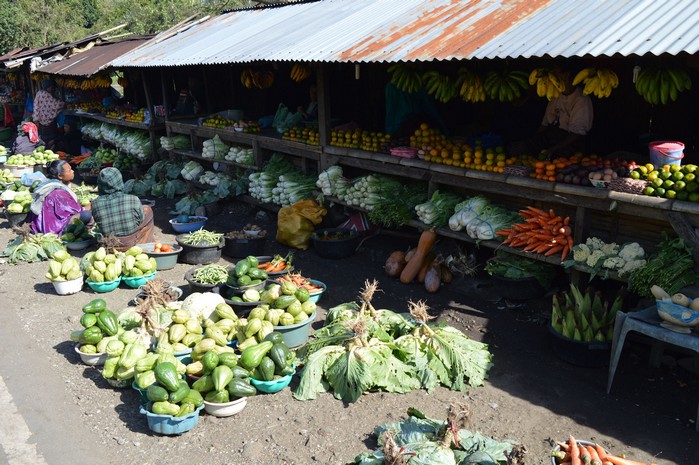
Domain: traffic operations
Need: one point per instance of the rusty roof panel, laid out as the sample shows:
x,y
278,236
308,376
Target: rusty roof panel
x,y
426,30
93,60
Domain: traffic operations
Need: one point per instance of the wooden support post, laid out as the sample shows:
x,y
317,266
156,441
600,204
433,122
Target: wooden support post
x,y
166,100
323,88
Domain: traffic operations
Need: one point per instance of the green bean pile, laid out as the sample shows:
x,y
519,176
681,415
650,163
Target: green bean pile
x,y
211,274
202,237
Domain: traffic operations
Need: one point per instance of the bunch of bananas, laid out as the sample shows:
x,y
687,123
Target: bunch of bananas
x,y
657,85
548,83
440,86
246,78
263,79
299,72
405,77
598,82
95,82
505,87
470,85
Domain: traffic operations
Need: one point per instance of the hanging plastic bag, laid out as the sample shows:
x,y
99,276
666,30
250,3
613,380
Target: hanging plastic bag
x,y
296,223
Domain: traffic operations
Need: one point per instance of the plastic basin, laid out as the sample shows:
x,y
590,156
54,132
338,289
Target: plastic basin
x,y
316,296
79,245
188,227
119,383
163,260
106,286
68,287
335,248
16,219
135,282
168,424
91,359
225,409
239,247
270,387
297,334
199,254
580,353
195,286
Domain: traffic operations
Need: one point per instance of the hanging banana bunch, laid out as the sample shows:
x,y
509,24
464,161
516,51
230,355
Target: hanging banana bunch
x,y
405,77
506,86
246,78
123,81
598,82
300,72
548,83
662,85
440,86
470,86
263,79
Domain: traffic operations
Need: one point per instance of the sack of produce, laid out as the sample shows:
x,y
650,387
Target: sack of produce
x,y
296,223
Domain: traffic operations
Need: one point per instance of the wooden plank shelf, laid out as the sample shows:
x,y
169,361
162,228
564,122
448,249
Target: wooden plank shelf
x,y
198,156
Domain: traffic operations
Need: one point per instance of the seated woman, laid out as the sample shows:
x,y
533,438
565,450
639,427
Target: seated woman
x,y
55,204
70,141
121,214
27,139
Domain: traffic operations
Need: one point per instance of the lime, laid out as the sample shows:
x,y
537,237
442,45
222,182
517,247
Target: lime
x,y
650,191
668,184
660,192
692,186
690,168
680,185
643,169
670,194
652,176
677,175
635,175
690,176
694,197
682,195
657,182
662,174
649,166
674,168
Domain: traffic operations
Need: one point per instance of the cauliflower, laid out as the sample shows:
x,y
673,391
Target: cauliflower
x,y
631,266
594,243
581,252
632,251
610,249
594,257
613,263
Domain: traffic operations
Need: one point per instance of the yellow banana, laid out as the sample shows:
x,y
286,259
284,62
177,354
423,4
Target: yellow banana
x,y
582,75
533,76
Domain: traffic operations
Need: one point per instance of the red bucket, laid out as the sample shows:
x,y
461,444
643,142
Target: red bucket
x,y
665,152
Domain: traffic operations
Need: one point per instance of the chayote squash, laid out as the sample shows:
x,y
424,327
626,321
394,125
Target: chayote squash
x,y
166,374
156,393
217,397
252,356
95,306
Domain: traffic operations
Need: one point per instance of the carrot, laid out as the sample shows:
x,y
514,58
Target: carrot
x,y
553,250
551,213
565,252
536,211
503,232
601,452
560,455
554,220
530,247
584,455
574,451
570,242
542,248
594,456
563,445
566,220
544,236
615,460
565,230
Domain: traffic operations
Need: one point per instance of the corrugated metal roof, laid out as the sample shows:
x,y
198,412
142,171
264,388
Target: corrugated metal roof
x,y
425,30
94,60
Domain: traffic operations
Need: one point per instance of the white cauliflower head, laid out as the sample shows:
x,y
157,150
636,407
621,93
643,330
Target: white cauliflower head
x,y
632,251
581,252
594,257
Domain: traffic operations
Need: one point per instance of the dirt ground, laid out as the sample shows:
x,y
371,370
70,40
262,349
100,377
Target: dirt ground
x,y
531,396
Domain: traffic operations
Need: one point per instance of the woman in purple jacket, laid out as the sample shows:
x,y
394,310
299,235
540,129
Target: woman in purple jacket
x,y
55,204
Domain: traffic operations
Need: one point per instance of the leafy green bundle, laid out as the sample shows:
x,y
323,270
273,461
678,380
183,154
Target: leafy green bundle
x,y
361,348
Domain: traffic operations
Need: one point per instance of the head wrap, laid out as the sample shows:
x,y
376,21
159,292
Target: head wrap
x,y
30,128
47,84
110,181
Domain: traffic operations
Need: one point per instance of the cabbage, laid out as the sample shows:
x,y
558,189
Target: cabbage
x,y
202,305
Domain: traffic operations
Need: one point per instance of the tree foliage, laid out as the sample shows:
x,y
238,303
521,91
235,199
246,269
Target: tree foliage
x,y
35,23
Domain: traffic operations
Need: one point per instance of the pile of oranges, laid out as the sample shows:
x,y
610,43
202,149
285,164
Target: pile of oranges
x,y
548,170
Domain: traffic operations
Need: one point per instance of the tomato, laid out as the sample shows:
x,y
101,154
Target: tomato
x,y
166,248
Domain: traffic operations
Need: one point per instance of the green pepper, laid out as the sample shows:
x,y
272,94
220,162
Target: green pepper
x,y
241,268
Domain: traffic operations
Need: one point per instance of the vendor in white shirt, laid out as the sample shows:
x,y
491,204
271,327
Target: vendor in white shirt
x,y
566,123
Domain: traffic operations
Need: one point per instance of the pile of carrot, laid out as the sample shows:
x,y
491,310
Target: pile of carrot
x,y
541,232
277,264
573,453
78,159
300,281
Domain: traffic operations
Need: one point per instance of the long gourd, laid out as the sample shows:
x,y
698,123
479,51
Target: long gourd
x,y
424,246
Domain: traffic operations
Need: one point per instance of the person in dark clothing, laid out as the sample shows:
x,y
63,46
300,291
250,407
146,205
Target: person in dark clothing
x,y
70,141
27,140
